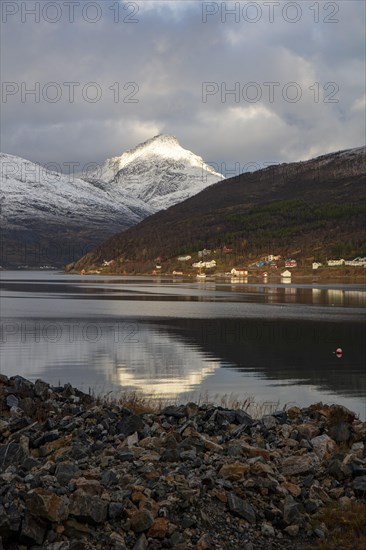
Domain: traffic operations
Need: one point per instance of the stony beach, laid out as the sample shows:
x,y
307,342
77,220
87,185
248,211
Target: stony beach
x,y
80,473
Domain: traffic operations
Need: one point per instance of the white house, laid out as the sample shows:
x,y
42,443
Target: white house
x,y
210,264
203,252
184,258
357,262
205,264
239,272
316,265
335,263
286,274
106,263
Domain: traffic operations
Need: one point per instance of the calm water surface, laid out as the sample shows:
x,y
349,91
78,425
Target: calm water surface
x,y
182,338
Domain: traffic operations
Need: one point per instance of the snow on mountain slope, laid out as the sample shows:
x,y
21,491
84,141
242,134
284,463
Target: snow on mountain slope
x,y
38,205
29,191
158,171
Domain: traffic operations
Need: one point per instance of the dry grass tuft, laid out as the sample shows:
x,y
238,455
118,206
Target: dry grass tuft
x,y
346,527
153,404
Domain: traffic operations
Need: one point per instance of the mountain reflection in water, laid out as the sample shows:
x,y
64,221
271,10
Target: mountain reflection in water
x,y
173,339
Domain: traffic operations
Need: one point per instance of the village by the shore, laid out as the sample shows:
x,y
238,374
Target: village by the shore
x,y
203,265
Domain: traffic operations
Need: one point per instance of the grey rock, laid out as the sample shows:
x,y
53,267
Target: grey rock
x,y
130,425
79,451
42,389
4,523
359,486
47,505
141,543
115,510
170,455
292,513
51,436
33,530
235,450
12,453
241,508
281,416
308,480
29,463
311,506
76,530
176,538
243,418
22,386
18,423
175,412
12,401
188,455
63,545
267,530
223,417
358,470
15,518
28,405
141,521
305,444
68,390
188,521
65,472
339,470
269,422
190,443
89,508
125,456
294,465
109,478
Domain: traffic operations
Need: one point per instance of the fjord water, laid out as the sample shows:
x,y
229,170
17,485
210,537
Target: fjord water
x,y
175,338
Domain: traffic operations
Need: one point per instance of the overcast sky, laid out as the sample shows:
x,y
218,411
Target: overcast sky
x,y
168,67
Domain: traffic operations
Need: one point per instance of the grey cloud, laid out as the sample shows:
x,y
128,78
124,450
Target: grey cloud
x,y
169,53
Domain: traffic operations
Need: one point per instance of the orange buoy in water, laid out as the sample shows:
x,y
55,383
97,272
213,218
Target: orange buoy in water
x,y
339,352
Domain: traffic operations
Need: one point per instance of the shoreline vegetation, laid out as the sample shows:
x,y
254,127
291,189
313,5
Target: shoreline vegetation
x,y
80,472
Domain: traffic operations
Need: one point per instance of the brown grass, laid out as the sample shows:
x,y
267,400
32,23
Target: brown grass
x,y
346,527
154,404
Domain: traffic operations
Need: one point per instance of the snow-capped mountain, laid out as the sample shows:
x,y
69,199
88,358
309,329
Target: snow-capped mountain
x,y
57,212
52,218
158,171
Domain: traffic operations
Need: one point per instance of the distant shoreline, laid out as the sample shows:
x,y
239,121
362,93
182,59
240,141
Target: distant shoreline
x,y
253,275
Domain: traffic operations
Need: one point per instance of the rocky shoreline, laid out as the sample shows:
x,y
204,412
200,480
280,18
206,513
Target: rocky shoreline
x,y
77,473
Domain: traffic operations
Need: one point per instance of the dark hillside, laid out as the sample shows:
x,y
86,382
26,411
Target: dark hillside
x,y
317,204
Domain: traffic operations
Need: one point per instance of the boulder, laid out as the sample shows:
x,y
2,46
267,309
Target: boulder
x,y
241,508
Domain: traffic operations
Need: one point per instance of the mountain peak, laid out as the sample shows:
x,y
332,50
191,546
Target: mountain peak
x,y
158,171
160,148
163,145
163,138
